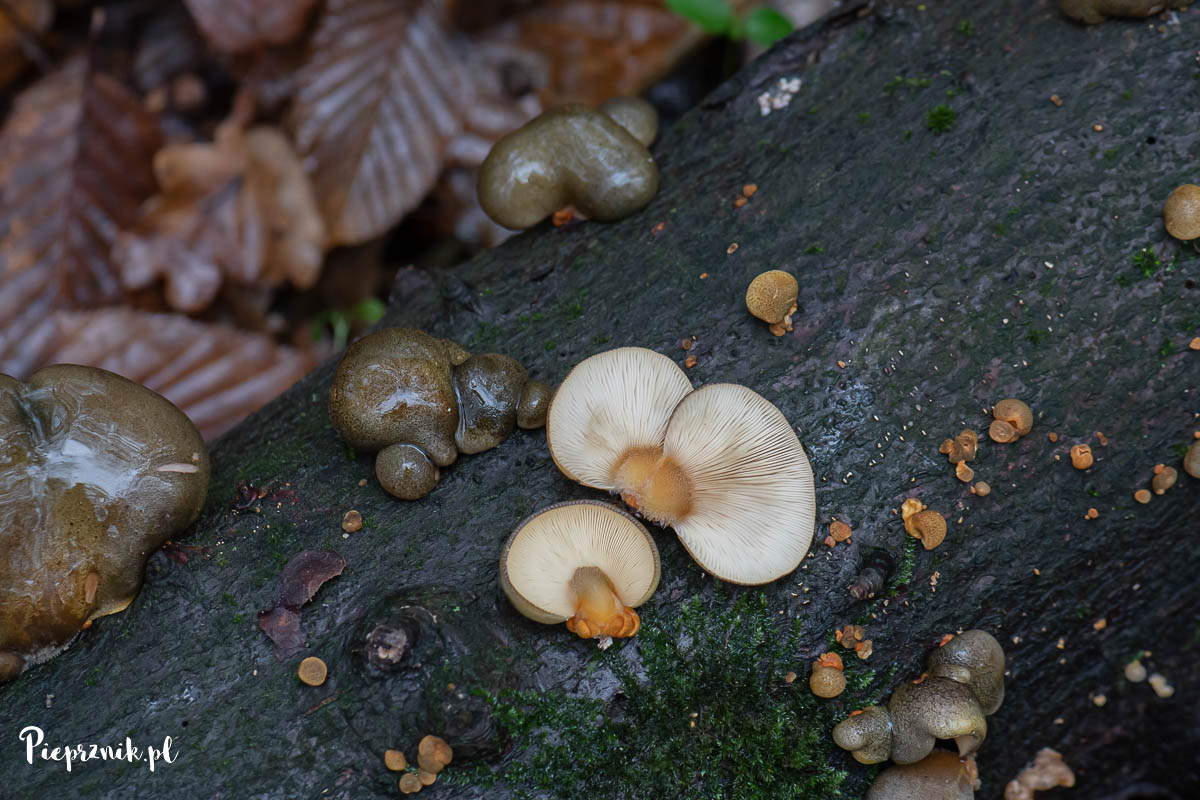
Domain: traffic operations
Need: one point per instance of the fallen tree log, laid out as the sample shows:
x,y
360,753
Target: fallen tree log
x,y
959,237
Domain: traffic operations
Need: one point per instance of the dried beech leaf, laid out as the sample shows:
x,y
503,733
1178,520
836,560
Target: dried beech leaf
x,y
241,207
75,164
282,627
600,48
305,573
18,19
237,26
216,374
378,98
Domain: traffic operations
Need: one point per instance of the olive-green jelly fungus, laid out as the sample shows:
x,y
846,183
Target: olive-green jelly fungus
x,y
96,472
420,401
962,684
582,562
1093,12
572,155
941,775
1181,213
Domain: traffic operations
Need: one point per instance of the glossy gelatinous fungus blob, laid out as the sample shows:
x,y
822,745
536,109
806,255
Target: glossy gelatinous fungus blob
x,y
420,401
872,575
1093,12
571,155
1191,461
583,562
960,687
1182,212
941,775
96,472
534,405
721,465
1016,413
772,297
634,115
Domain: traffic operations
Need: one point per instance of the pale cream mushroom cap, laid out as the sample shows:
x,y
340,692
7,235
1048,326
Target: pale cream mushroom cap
x,y
753,503
609,403
542,554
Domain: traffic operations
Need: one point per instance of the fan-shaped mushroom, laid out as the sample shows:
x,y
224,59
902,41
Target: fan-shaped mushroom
x,y
583,562
721,465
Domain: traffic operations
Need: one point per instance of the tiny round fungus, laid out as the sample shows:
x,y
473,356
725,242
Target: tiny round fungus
x,y
395,760
1160,685
1135,672
928,526
535,402
1081,456
433,754
721,465
772,297
1000,431
570,155
426,777
964,473
404,471
352,521
1191,461
583,562
1164,480
1142,496
827,682
839,530
1182,212
410,783
634,115
941,775
981,489
312,671
1016,413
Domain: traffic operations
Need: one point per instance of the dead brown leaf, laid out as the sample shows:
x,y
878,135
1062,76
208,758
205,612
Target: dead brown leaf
x,y
282,627
378,98
305,573
217,375
75,164
237,26
240,208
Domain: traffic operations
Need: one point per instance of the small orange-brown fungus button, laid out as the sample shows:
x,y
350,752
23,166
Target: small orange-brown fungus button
x,y
830,541
433,754
686,344
929,527
839,530
1191,461
1164,479
908,509
1056,100
394,760
352,521
849,635
1100,624
1081,456
749,189
1102,438
738,203
953,451
864,649
1000,431
426,778
789,678
312,671
1182,212
772,298
1016,413
1092,513
1194,344
827,679
1135,672
1160,686
981,489
1052,436
968,440
1142,496
964,473
410,783
690,361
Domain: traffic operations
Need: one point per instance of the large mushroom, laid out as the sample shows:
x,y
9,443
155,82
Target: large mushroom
x,y
721,465
583,562
938,776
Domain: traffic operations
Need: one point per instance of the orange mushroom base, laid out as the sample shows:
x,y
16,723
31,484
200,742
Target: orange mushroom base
x,y
654,485
598,609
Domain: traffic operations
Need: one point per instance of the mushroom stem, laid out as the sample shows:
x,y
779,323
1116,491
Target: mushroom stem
x,y
967,744
598,609
655,485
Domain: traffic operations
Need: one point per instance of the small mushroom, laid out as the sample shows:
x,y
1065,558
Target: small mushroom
x,y
1142,496
935,708
394,760
941,775
867,734
827,679
1164,479
1182,212
1081,456
571,155
928,526
410,783
983,658
1191,461
433,754
981,489
1135,672
772,297
721,465
1016,413
964,473
582,562
420,401
1000,431
312,671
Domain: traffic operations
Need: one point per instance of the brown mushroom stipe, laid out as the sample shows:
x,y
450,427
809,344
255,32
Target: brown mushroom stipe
x,y
1181,214
96,472
420,401
572,155
772,297
963,683
941,775
1016,413
721,465
1093,12
1047,771
312,671
583,562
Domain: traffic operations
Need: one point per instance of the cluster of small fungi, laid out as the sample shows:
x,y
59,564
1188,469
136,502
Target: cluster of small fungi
x,y
433,754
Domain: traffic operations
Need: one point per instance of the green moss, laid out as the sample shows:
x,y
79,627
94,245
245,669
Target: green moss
x,y
904,572
901,81
1166,348
710,717
864,117
966,28
814,250
940,119
1146,262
